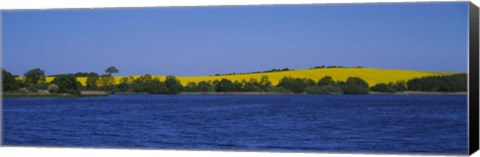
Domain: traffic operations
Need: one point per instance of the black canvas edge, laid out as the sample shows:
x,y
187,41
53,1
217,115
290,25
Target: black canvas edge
x,y
473,80
1,78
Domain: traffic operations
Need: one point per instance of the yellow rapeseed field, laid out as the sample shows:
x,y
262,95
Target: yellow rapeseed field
x,y
371,75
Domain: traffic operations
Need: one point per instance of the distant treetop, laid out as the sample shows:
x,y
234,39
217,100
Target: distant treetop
x,y
334,66
110,70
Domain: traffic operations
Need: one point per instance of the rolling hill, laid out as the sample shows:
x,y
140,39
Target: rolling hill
x,y
371,75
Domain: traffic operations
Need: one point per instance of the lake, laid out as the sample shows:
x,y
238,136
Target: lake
x,y
424,124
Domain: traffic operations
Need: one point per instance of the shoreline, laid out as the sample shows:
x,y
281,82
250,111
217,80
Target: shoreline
x,y
43,94
371,93
103,94
237,93
420,93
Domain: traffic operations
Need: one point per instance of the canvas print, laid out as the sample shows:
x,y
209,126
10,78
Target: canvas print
x,y
347,78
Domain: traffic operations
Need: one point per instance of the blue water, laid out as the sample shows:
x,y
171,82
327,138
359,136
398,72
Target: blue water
x,y
431,124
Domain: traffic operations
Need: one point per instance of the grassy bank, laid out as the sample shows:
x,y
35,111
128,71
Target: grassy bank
x,y
103,93
43,94
423,93
234,93
37,95
290,93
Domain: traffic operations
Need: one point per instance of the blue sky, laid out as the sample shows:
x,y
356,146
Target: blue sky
x,y
208,40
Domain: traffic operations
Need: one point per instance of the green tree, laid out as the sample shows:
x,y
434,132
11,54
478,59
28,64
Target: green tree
x,y
173,84
67,84
446,83
92,82
205,86
106,83
382,87
145,78
309,82
399,85
155,86
41,86
325,81
111,70
251,86
238,86
34,76
225,85
9,81
85,74
265,83
152,85
124,84
138,85
191,87
295,85
355,85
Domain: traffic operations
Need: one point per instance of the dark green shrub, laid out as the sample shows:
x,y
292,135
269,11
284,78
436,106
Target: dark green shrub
x,y
9,81
382,87
224,85
173,84
295,85
449,83
41,86
67,84
327,80
355,85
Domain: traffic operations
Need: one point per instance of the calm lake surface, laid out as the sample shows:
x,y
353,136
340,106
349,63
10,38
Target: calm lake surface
x,y
432,124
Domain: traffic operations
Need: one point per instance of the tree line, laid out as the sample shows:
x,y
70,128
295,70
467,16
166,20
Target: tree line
x,y
255,72
444,83
287,69
34,80
333,66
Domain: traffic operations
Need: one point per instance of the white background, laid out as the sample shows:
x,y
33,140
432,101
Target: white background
x,y
83,152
